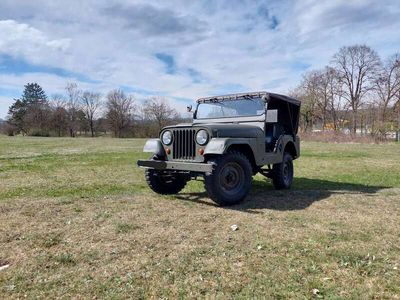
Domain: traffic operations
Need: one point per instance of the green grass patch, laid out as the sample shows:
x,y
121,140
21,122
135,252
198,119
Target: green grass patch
x,y
78,221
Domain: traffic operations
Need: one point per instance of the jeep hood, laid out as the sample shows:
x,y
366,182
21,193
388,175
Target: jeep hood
x,y
224,130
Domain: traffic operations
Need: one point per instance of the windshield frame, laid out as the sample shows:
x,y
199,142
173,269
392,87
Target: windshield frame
x,y
229,117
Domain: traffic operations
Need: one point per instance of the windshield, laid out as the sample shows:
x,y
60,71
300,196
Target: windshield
x,y
230,108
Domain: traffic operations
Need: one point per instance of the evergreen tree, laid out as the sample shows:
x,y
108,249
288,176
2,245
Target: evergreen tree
x,y
16,114
28,109
34,95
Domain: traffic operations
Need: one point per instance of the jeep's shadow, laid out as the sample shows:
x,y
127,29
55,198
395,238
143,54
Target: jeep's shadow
x,y
304,192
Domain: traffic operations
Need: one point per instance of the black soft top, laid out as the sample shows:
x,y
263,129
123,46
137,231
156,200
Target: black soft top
x,y
251,95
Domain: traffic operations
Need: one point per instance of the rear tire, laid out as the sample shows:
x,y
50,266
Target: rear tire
x,y
231,178
282,173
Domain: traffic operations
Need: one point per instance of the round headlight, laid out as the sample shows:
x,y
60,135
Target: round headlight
x,y
167,137
202,137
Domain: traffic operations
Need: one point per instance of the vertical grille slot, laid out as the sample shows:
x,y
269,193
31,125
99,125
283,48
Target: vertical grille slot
x,y
184,147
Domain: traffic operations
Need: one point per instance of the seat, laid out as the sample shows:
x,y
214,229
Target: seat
x,y
272,133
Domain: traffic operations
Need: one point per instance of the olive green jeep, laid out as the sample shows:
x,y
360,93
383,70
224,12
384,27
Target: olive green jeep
x,y
231,138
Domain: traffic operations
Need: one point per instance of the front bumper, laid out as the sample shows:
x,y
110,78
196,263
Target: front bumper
x,y
175,165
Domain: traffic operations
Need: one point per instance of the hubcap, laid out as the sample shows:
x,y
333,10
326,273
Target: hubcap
x,y
231,178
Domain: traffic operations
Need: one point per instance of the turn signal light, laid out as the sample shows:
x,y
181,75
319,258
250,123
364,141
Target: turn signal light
x,y
168,151
201,151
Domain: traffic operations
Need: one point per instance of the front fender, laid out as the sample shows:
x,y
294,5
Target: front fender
x,y
220,145
154,146
216,146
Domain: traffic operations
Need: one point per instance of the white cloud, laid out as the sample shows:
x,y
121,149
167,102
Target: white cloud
x,y
22,40
5,103
50,83
217,46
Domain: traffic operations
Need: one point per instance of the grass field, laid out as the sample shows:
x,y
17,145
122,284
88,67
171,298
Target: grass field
x,y
78,221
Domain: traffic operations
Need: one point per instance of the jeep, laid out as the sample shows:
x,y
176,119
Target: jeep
x,y
232,138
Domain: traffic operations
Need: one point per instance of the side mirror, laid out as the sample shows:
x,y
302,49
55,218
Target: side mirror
x,y
189,108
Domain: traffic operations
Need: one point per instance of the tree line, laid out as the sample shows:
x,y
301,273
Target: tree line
x,y
87,113
357,92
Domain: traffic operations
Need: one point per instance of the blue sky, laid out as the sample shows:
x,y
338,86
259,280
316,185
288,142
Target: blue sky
x,y
179,49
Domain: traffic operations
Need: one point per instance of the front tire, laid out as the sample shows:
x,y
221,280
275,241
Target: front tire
x,y
231,179
165,182
282,177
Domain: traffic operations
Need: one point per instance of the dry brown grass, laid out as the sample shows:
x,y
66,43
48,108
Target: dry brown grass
x,y
337,231
345,245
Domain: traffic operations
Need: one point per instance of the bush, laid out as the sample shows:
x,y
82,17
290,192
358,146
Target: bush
x,y
38,132
8,129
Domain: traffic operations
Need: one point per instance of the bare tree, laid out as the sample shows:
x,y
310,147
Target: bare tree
x,y
321,83
308,93
397,108
357,67
321,94
59,119
119,111
73,107
388,84
334,90
91,103
159,110
145,127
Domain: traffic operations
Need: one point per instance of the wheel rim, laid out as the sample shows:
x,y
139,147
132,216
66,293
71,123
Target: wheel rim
x,y
231,178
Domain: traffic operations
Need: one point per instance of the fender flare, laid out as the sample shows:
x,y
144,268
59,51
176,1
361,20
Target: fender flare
x,y
221,145
154,146
293,147
286,143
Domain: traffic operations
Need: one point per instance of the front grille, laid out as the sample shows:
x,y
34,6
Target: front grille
x,y
184,146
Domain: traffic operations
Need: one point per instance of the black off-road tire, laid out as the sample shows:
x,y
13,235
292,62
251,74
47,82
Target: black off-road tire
x,y
164,182
231,178
282,173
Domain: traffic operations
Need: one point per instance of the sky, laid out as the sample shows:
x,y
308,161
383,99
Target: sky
x,y
182,50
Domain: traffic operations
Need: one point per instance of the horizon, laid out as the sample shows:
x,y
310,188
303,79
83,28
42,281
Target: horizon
x,y
181,51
